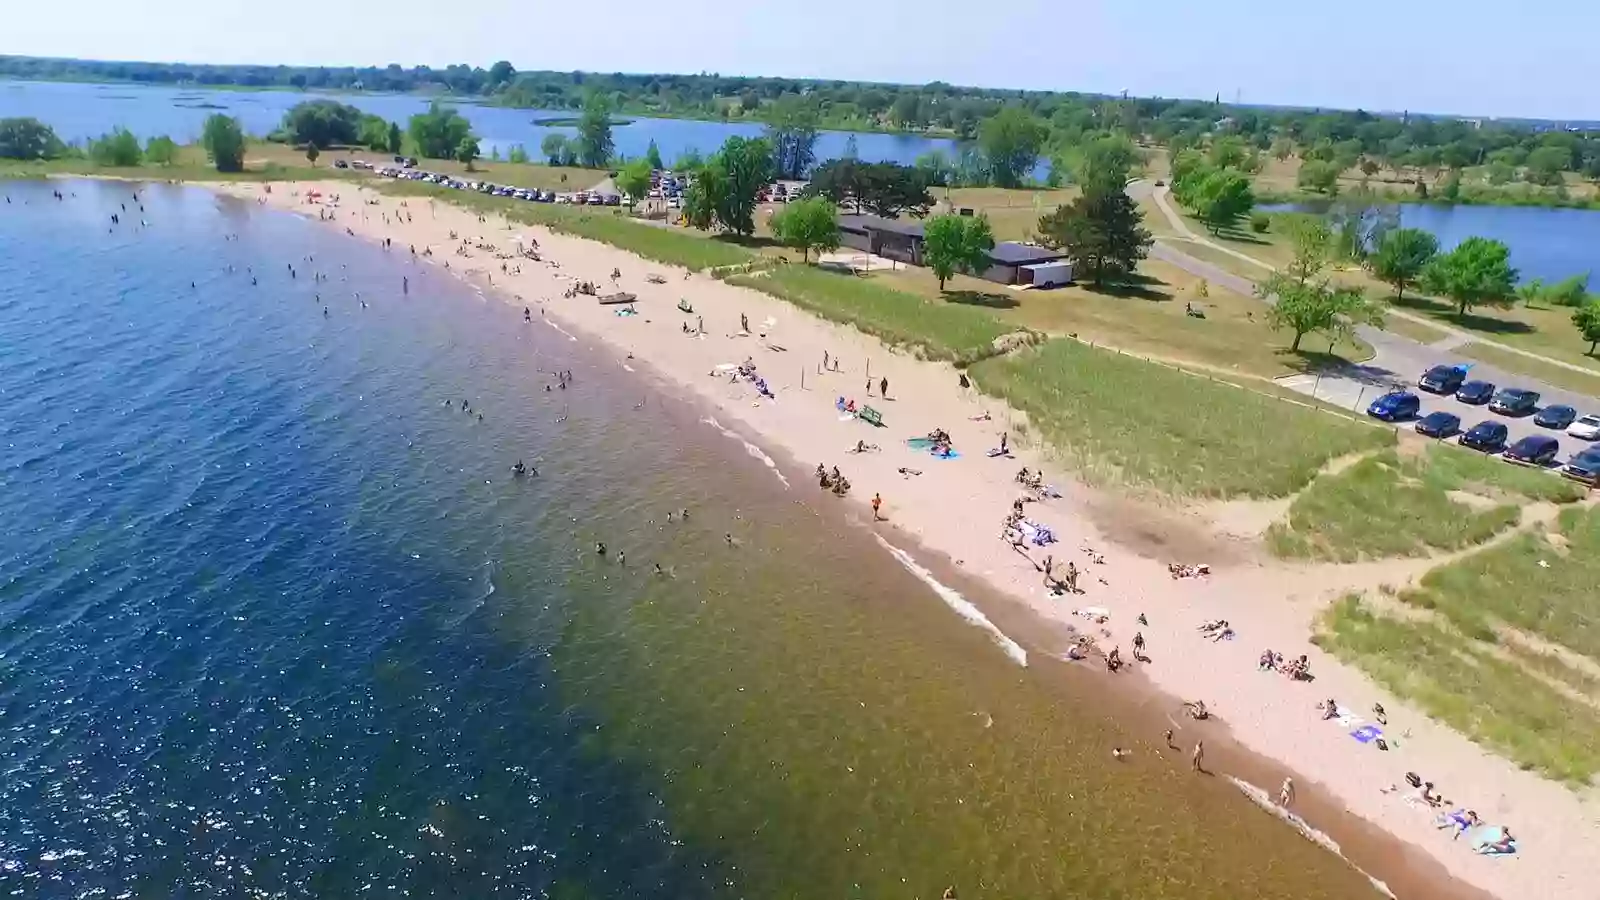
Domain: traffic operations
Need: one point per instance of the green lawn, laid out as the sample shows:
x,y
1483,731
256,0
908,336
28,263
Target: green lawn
x,y
1410,328
1117,419
1386,506
1502,703
937,329
1560,376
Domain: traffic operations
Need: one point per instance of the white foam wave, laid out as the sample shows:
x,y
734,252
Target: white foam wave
x,y
1264,800
960,604
749,448
569,335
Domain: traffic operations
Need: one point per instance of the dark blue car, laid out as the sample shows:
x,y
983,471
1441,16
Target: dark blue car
x,y
1490,437
1442,379
1534,450
1395,406
1475,392
1439,424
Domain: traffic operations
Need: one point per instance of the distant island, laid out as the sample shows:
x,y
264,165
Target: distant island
x,y
572,121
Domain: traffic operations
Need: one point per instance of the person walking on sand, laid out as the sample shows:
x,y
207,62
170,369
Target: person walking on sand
x,y
1286,793
1198,759
1171,744
877,503
869,387
883,388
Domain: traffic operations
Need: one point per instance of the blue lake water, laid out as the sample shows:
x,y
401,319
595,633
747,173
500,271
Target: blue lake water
x,y
276,622
82,111
1545,243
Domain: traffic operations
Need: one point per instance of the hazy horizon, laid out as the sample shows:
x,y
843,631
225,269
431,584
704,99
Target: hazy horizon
x,y
1458,65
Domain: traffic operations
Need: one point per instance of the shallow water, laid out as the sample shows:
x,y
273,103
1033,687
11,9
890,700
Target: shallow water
x,y
275,621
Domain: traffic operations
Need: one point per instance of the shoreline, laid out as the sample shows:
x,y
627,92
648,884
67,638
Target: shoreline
x,y
1268,718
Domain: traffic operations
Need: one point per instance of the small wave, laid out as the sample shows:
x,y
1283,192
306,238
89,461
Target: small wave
x,y
955,601
749,448
562,330
1264,800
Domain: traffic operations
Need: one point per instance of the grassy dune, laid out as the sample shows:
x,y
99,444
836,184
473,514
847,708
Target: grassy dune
x,y
1121,420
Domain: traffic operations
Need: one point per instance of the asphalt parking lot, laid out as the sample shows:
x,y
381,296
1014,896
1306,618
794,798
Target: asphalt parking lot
x,y
1355,387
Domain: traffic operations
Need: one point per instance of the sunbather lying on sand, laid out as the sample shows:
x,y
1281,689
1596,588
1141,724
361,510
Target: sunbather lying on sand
x,y
1462,820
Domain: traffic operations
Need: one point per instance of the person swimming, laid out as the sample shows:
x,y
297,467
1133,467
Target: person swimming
x,y
519,469
600,547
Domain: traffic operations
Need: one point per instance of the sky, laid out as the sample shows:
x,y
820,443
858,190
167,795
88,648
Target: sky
x,y
1465,57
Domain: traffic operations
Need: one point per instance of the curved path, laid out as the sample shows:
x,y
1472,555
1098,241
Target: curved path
x,y
1396,362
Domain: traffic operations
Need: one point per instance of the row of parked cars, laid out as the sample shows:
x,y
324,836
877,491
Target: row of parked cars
x,y
591,198
1491,436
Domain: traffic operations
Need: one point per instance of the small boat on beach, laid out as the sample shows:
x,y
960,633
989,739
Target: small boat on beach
x,y
617,299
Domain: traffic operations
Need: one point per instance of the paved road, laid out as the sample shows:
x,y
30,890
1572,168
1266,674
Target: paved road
x,y
1397,362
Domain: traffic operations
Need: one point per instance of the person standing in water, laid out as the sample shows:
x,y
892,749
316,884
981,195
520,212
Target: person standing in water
x,y
1197,760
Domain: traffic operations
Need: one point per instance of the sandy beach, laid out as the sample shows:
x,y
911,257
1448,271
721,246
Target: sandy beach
x,y
954,508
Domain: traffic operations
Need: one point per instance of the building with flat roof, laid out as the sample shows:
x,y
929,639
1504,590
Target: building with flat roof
x,y
1009,261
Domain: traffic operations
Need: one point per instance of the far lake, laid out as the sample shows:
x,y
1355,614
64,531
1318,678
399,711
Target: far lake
x,y
1545,243
81,111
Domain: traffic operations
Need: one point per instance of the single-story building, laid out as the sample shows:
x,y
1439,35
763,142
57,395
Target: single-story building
x,y
1013,263
888,238
1009,262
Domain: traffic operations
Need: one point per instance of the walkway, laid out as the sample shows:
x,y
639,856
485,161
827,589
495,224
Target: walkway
x,y
1396,362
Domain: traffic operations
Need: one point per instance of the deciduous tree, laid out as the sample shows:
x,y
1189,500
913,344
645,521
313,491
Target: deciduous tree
x,y
634,178
595,146
882,189
1221,197
312,153
1304,307
224,142
118,148
467,151
161,150
952,244
808,223
792,132
394,137
324,123
1477,272
652,155
438,133
1402,257
554,147
724,193
1586,319
28,138
1322,177
1011,140
517,154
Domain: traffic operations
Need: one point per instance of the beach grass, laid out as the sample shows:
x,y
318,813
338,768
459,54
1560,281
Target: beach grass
x,y
1118,419
934,328
1541,583
1391,506
1488,696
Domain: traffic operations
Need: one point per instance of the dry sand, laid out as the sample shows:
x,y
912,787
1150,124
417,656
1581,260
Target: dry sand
x,y
955,507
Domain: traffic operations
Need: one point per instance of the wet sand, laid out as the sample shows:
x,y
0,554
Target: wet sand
x,y
952,513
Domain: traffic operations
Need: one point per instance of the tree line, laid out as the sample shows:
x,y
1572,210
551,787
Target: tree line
x,y
1536,151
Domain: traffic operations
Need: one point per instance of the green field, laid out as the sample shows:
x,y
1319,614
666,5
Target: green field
x,y
1518,710
936,329
1549,373
1117,419
1388,506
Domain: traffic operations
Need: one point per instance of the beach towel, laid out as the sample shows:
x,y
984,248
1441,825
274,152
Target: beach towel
x,y
1489,835
919,443
1367,733
996,451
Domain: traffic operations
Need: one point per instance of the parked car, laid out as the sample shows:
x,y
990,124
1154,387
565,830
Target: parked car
x,y
1442,379
1555,417
1475,392
1439,424
340,164
1534,450
1584,467
1490,437
1586,428
1395,406
1514,402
